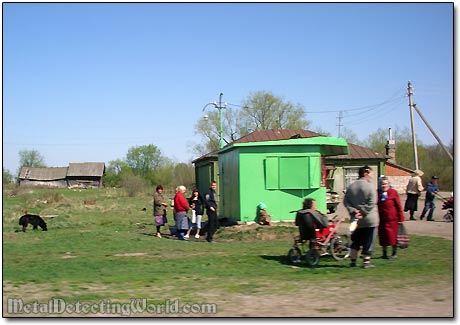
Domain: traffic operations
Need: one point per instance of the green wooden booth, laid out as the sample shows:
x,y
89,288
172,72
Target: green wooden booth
x,y
279,173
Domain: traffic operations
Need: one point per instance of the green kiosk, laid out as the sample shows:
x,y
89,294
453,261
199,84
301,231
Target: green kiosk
x,y
279,173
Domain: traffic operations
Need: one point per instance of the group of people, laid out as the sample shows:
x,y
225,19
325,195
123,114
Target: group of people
x,y
375,211
382,212
181,206
414,189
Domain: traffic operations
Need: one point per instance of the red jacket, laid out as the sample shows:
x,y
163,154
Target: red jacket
x,y
180,203
390,213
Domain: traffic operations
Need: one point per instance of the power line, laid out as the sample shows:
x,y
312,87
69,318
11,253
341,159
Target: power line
x,y
369,107
375,115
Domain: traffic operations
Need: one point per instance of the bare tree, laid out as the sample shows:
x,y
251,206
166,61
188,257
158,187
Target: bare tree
x,y
263,110
31,158
260,110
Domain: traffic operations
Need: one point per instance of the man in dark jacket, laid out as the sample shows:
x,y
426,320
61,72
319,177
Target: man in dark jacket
x,y
431,190
211,211
309,219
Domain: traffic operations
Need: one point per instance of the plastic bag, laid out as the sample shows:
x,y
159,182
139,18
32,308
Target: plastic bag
x,y
402,240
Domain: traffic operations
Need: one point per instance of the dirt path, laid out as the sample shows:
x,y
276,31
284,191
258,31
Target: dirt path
x,y
431,301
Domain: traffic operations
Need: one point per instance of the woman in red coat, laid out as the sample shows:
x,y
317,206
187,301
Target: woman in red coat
x,y
391,214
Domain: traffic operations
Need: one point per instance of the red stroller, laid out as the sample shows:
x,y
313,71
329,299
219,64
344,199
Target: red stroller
x,y
449,206
327,242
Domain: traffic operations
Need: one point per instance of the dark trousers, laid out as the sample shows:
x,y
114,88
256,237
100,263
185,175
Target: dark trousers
x,y
364,237
212,224
429,206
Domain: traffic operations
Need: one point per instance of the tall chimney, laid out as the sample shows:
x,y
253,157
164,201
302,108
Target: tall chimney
x,y
391,147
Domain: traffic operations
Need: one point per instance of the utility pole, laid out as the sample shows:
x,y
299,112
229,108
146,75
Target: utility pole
x,y
411,108
339,124
219,108
432,132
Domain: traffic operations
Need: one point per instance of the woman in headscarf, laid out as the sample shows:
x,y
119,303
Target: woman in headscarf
x,y
413,190
390,215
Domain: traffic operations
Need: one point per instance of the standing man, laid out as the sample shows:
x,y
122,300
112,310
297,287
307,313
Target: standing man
x,y
211,210
431,190
360,201
413,190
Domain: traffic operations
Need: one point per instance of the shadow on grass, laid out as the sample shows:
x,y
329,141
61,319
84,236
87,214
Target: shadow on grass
x,y
283,259
163,236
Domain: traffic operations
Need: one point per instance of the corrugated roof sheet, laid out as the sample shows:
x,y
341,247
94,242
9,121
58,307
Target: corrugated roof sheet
x,y
274,135
358,152
86,169
43,174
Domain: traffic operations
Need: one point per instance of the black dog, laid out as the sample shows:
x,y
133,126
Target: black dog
x,y
34,220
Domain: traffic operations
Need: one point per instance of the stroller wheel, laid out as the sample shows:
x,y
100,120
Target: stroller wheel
x,y
448,217
294,256
312,257
340,247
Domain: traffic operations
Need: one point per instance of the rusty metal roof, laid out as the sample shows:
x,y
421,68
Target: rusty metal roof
x,y
274,135
358,152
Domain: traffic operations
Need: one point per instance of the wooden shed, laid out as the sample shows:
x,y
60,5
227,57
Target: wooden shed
x,y
53,177
87,174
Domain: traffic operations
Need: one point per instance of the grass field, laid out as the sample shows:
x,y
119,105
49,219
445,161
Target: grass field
x,y
107,251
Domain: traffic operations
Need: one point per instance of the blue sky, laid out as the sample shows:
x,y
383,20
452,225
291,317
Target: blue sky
x,y
86,82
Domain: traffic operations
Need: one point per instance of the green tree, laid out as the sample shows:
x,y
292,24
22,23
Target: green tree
x,y
432,160
7,176
164,175
263,110
184,174
114,172
438,163
144,160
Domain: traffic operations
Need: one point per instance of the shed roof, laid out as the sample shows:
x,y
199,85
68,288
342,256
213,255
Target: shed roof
x,y
331,145
358,152
397,166
43,174
278,137
355,151
275,135
86,169
209,156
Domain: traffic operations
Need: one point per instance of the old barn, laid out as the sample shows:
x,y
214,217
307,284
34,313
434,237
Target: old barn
x,y
88,174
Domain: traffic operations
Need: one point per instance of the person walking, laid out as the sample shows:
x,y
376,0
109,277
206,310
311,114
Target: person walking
x,y
211,211
196,204
360,201
431,190
159,209
390,215
413,190
180,212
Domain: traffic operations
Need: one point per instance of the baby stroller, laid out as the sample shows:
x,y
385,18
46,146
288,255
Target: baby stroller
x,y
325,242
449,206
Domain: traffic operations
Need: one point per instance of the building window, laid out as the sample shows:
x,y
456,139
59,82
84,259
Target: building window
x,y
301,172
351,175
